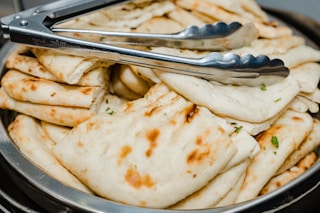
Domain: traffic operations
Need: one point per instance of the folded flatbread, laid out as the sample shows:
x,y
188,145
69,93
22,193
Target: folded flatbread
x,y
55,132
307,146
28,135
276,182
25,87
276,144
68,68
155,132
65,116
209,8
215,190
21,60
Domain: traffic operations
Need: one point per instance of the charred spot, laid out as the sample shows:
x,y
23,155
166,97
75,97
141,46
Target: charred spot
x,y
190,112
53,112
125,151
150,112
80,144
136,180
295,118
152,137
196,156
53,94
86,91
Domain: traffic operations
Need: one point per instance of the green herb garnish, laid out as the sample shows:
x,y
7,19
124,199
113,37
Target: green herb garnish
x,y
274,141
110,111
263,87
237,129
277,100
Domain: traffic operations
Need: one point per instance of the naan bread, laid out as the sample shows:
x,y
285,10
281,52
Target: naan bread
x,y
307,75
292,173
215,190
250,102
127,16
28,135
211,9
155,131
68,68
276,144
307,146
21,60
24,87
65,116
55,132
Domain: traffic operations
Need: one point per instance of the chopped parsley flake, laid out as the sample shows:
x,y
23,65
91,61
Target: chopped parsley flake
x,y
277,100
110,111
237,129
263,87
274,141
274,152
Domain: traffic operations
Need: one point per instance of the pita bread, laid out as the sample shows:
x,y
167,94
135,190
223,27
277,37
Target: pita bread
x,y
128,16
247,148
210,9
119,88
307,75
65,116
137,84
185,18
307,146
275,46
160,25
24,87
68,68
232,195
276,144
215,190
27,134
31,66
55,132
223,99
136,159
290,174
294,57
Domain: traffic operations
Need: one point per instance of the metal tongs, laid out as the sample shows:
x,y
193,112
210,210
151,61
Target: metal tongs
x,y
37,27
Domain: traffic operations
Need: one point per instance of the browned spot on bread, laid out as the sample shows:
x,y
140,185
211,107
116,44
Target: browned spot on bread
x,y
86,91
80,144
190,112
150,112
197,156
137,181
152,137
125,151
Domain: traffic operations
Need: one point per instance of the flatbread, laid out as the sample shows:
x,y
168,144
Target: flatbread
x,y
307,146
223,99
128,16
292,173
24,87
21,60
68,68
55,132
307,75
210,9
65,116
27,134
151,128
215,190
276,144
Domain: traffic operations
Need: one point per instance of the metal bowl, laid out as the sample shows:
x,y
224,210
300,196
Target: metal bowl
x,y
56,197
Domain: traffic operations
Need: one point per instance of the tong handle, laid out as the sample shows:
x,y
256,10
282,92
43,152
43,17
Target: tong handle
x,y
214,37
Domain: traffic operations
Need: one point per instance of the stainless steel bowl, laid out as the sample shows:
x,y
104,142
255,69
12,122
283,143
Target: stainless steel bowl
x,y
55,197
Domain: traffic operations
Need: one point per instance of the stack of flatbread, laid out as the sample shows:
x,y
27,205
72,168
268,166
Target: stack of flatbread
x,y
150,138
54,87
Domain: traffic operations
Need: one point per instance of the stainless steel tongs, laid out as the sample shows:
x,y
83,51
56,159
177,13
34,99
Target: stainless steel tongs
x,y
37,27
